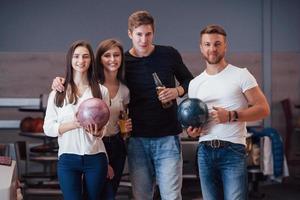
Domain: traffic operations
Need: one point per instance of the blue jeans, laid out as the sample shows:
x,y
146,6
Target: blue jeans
x,y
71,169
155,160
116,151
223,172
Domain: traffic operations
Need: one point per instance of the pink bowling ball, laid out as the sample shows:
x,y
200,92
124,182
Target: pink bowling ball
x,y
93,111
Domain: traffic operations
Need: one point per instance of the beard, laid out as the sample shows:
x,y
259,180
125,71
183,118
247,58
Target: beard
x,y
213,60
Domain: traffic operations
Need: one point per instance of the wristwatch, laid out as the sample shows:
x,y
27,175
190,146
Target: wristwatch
x,y
235,116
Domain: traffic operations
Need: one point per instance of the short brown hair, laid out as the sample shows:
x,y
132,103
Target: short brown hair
x,y
139,18
213,28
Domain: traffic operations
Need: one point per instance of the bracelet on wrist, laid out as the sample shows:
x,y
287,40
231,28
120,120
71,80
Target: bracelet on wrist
x,y
229,116
235,116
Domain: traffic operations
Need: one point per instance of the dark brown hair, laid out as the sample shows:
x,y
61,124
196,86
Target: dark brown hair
x,y
70,88
102,48
139,18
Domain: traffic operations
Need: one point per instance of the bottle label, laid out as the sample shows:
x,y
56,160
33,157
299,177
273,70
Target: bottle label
x,y
123,129
122,121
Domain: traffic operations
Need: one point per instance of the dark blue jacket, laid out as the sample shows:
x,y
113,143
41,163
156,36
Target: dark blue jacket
x,y
277,147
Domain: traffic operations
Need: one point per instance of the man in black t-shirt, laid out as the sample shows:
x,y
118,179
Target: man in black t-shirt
x,y
154,152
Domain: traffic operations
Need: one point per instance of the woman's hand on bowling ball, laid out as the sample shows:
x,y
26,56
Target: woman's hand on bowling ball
x,y
219,115
167,94
57,84
94,129
110,172
194,132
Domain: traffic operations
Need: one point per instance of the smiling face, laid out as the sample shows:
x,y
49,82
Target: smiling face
x,y
142,40
111,59
81,59
213,47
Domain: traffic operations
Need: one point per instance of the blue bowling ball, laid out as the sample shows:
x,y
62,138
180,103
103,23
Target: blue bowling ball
x,y
192,112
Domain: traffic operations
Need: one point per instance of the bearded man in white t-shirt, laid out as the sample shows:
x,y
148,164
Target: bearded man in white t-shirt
x,y
233,98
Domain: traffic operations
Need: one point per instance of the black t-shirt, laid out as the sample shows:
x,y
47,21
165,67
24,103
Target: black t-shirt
x,y
149,119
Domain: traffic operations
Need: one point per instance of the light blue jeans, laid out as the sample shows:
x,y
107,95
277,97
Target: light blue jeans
x,y
223,172
155,160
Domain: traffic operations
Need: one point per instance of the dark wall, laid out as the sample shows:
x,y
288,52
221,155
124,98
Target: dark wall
x,y
50,26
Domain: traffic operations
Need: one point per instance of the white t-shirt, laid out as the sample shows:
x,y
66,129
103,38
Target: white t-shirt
x,y
76,141
226,90
115,105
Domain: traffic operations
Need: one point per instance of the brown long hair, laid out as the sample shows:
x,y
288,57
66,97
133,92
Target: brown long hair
x,y
104,46
92,74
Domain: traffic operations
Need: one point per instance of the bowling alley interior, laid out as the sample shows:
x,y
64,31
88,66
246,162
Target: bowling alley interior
x,y
262,36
